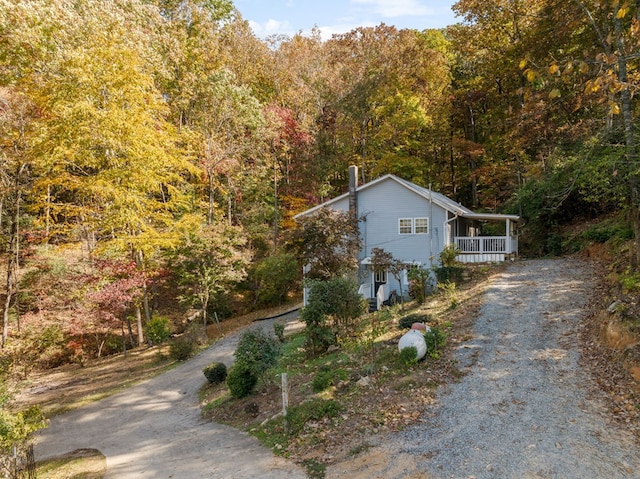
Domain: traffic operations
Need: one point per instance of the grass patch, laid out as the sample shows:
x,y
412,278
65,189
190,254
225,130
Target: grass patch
x,y
79,464
339,398
315,469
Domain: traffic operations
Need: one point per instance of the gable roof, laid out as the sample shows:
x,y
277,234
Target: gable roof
x,y
429,195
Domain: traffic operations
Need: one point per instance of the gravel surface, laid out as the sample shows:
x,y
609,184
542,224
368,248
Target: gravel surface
x,y
155,430
525,407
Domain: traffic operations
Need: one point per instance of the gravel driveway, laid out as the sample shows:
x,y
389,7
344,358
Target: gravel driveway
x,y
154,429
525,407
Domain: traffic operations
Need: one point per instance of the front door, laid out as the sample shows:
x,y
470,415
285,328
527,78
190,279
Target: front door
x,y
380,278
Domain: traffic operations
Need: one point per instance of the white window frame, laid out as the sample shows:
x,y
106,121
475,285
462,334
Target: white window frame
x,y
425,226
402,226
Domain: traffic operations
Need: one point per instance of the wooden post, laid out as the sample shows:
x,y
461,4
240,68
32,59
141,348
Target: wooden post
x,y
285,394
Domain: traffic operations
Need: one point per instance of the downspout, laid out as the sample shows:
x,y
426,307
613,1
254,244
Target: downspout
x,y
453,232
353,209
430,227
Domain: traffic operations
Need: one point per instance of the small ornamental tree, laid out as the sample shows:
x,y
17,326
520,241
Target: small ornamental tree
x,y
119,285
384,261
327,242
418,279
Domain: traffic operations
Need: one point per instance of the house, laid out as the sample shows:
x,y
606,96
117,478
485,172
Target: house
x,y
415,224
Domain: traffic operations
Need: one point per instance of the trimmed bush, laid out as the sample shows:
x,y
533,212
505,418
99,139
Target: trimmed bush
x,y
241,381
215,372
257,351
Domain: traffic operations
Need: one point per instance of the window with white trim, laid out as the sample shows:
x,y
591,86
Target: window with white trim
x,y
408,226
421,225
405,226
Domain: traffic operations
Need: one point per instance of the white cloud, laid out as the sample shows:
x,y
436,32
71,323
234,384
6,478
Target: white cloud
x,y
271,27
396,8
328,31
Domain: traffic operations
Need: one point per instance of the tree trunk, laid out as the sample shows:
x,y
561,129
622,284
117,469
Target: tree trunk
x,y
145,301
12,262
130,330
7,306
629,137
139,325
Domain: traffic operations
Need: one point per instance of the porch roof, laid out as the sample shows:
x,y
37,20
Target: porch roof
x,y
490,216
367,261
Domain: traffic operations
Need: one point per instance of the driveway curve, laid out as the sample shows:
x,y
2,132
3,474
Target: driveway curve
x,y
155,430
525,407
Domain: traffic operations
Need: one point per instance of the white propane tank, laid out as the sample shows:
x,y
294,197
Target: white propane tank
x,y
414,338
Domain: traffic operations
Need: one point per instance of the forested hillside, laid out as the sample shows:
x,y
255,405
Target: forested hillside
x,y
153,152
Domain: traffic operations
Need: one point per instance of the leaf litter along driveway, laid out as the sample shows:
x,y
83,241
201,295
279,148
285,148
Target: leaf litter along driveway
x,y
525,408
155,430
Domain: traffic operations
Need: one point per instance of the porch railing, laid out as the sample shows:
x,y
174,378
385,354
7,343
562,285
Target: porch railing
x,y
486,244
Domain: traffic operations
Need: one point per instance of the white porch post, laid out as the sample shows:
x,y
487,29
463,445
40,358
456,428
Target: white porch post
x,y
508,237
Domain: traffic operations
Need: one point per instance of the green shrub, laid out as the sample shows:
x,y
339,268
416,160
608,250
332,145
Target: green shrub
x,y
257,351
448,256
449,274
181,348
331,312
449,290
409,355
608,229
215,372
313,410
241,381
318,332
327,376
418,280
278,330
435,340
321,381
157,329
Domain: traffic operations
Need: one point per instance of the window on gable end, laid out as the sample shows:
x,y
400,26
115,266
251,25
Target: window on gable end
x,y
405,226
421,225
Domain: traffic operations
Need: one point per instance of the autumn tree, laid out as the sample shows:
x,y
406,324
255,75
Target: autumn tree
x,y
389,94
208,263
325,242
118,288
15,179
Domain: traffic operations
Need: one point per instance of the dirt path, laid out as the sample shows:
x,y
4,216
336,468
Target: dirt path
x,y
525,408
154,429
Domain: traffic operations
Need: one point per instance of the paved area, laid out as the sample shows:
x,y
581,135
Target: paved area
x,y
155,430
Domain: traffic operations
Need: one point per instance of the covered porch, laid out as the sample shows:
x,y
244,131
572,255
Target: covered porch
x,y
485,238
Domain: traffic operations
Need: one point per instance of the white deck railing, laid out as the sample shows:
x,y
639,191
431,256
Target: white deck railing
x,y
486,244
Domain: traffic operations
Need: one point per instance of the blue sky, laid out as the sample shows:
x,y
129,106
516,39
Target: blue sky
x,y
289,17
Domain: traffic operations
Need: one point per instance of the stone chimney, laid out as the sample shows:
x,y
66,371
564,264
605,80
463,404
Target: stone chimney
x,y
353,186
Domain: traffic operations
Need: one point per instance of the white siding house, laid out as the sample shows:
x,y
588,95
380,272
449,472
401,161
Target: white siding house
x,y
415,224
